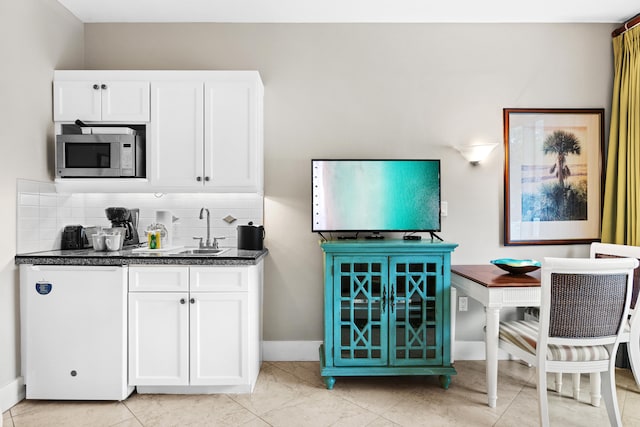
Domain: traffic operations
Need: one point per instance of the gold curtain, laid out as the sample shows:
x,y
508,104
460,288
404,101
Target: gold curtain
x,y
621,208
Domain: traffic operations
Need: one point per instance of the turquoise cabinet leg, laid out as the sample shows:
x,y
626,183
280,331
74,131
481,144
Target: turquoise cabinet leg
x,y
329,381
445,380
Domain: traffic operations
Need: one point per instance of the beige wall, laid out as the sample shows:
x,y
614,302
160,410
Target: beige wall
x,y
378,91
36,37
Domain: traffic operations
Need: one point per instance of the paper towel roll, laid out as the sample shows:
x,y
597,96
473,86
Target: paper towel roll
x,y
166,218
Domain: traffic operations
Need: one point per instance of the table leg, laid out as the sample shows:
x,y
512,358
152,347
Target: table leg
x,y
491,347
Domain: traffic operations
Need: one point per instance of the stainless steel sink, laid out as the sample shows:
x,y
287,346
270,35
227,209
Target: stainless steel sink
x,y
201,252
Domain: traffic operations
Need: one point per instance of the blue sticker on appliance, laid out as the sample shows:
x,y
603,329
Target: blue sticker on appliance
x,y
43,288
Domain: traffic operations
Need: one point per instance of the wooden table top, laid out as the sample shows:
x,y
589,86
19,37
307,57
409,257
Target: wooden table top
x,y
491,276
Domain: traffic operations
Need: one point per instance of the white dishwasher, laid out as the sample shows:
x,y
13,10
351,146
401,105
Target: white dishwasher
x,y
74,332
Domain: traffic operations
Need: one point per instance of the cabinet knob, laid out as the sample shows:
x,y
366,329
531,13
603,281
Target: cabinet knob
x,y
206,178
96,87
104,86
192,300
199,178
182,301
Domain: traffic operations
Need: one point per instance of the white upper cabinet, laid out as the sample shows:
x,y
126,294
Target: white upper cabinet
x,y
232,144
204,129
177,133
106,101
207,134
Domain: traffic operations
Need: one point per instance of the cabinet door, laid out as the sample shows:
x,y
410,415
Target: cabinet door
x,y
158,338
125,101
415,310
176,148
360,324
91,100
219,338
233,155
77,100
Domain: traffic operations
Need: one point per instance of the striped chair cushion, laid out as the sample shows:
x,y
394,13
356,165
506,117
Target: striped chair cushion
x,y
524,334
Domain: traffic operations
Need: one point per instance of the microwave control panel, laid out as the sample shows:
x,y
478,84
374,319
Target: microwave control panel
x,y
127,159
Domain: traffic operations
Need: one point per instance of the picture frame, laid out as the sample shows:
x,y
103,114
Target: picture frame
x,y
553,180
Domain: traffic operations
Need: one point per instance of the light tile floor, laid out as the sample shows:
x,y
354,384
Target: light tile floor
x,y
293,394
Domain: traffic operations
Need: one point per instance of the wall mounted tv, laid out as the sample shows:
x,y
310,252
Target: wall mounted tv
x,y
375,195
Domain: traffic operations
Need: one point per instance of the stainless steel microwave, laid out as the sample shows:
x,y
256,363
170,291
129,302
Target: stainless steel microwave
x,y
100,156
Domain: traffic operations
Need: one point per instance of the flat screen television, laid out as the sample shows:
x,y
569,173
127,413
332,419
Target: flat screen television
x,y
375,195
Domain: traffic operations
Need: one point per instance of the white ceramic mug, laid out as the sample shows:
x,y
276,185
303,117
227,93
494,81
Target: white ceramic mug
x,y
117,230
99,242
112,241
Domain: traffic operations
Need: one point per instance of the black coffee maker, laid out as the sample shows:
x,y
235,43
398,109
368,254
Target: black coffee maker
x,y
128,219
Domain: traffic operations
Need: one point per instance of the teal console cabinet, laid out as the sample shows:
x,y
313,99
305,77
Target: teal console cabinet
x,y
387,309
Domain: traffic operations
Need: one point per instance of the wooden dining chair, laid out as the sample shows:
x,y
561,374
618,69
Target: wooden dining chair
x,y
583,313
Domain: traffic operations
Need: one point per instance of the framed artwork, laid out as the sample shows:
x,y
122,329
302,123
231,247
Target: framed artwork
x,y
552,175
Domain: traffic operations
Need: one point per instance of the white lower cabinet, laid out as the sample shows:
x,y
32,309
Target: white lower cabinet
x,y
195,329
158,338
220,338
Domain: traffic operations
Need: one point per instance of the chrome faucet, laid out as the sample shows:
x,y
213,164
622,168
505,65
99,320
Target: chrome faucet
x,y
207,243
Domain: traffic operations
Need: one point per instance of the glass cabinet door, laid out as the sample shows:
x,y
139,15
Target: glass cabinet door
x,y
360,311
415,311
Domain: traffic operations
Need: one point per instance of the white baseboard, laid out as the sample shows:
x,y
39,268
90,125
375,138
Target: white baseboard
x,y
297,351
290,351
11,394
473,350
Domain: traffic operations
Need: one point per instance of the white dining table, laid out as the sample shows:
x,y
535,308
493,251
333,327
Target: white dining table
x,y
495,289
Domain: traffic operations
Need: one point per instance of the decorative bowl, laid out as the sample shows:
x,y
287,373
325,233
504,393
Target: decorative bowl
x,y
517,266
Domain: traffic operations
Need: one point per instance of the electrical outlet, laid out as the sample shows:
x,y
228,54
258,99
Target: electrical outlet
x,y
463,303
444,208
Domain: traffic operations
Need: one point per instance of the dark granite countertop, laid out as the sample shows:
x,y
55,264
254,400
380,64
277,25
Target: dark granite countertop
x,y
232,256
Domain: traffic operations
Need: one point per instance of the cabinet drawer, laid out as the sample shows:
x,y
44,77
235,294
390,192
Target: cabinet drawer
x,y
219,279
158,279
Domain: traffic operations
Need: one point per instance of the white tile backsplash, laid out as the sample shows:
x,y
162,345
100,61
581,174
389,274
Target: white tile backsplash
x,y
36,215
27,186
43,213
28,199
48,200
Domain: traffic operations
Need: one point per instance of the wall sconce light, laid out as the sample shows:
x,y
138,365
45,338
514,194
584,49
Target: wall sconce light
x,y
475,153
